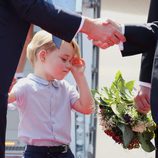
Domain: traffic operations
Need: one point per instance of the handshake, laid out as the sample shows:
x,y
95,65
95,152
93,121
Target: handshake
x,y
103,33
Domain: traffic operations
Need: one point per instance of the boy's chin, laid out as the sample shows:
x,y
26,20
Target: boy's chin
x,y
60,77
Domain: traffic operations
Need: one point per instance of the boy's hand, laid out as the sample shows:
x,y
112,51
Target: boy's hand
x,y
78,62
78,66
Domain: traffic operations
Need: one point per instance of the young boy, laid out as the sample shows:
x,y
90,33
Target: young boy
x,y
45,100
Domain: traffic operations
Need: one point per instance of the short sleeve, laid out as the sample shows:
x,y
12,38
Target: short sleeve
x,y
72,92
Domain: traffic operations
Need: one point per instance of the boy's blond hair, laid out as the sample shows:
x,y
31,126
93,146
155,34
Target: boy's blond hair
x,y
43,40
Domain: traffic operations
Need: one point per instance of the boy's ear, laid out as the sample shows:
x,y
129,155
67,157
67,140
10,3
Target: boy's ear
x,y
42,55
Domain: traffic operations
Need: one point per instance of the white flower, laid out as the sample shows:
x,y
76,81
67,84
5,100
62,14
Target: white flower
x,y
107,124
140,127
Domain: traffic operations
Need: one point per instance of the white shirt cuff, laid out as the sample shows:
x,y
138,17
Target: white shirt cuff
x,y
145,84
123,32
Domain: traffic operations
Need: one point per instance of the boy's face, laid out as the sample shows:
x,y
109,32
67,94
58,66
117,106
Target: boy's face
x,y
58,62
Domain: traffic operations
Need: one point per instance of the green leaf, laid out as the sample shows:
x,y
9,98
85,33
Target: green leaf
x,y
127,134
152,128
106,91
118,76
118,109
145,141
115,110
130,85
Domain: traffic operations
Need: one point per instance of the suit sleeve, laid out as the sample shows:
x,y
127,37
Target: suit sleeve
x,y
146,66
47,16
140,38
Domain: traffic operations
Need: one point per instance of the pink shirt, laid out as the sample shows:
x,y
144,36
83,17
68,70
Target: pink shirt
x,y
44,110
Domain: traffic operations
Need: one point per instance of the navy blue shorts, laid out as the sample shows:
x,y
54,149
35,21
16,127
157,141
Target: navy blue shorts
x,y
46,152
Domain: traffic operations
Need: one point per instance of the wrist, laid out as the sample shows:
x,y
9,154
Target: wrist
x,y
87,25
79,77
144,84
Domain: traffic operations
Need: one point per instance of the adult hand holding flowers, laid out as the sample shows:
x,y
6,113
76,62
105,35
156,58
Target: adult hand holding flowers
x,y
120,119
142,100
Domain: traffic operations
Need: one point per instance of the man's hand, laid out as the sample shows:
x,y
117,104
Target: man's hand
x,y
104,34
142,100
114,23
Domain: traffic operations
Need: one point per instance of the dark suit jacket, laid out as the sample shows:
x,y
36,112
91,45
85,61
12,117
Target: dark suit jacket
x,y
142,39
15,19
148,57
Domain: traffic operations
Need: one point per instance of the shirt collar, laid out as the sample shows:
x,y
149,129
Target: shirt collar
x,y
42,81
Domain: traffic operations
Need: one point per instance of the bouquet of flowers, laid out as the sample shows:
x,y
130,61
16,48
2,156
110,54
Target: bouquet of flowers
x,y
119,118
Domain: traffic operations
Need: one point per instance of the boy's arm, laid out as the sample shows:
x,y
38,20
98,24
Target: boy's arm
x,y
85,104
